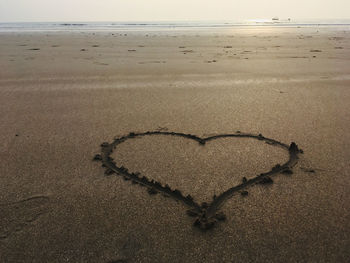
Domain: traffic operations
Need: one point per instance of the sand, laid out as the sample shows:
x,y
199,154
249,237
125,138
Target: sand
x,y
63,94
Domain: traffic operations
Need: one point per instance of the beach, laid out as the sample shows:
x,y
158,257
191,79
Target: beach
x,y
62,94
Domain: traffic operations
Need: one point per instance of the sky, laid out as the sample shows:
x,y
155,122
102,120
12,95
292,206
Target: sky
x,y
169,10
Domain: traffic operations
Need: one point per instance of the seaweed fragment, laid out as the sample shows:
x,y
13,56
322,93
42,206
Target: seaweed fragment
x,y
204,205
123,169
220,216
204,223
276,168
244,193
104,144
177,192
109,171
192,212
266,180
293,148
202,142
97,157
189,198
152,191
287,171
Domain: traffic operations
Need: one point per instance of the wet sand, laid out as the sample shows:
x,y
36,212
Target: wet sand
x,y
63,94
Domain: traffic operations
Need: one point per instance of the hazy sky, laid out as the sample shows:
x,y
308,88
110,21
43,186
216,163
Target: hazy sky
x,y
146,10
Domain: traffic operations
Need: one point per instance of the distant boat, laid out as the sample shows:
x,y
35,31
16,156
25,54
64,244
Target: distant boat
x,y
275,18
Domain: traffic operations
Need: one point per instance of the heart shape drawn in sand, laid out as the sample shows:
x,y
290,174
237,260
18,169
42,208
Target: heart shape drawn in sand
x,y
206,214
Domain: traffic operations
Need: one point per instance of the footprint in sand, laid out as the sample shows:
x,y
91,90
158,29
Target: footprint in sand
x,y
15,216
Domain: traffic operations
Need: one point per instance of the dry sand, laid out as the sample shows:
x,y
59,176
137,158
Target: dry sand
x,y
63,94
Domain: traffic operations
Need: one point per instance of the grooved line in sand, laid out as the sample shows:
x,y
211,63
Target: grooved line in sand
x,y
206,214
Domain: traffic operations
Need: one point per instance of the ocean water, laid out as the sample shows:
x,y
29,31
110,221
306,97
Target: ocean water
x,y
160,26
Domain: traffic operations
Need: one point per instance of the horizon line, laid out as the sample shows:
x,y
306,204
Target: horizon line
x,y
163,20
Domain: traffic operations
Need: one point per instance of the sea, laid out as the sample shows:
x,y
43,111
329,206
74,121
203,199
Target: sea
x,y
164,25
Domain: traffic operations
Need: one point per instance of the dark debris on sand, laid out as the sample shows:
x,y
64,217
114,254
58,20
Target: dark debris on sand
x,y
266,180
